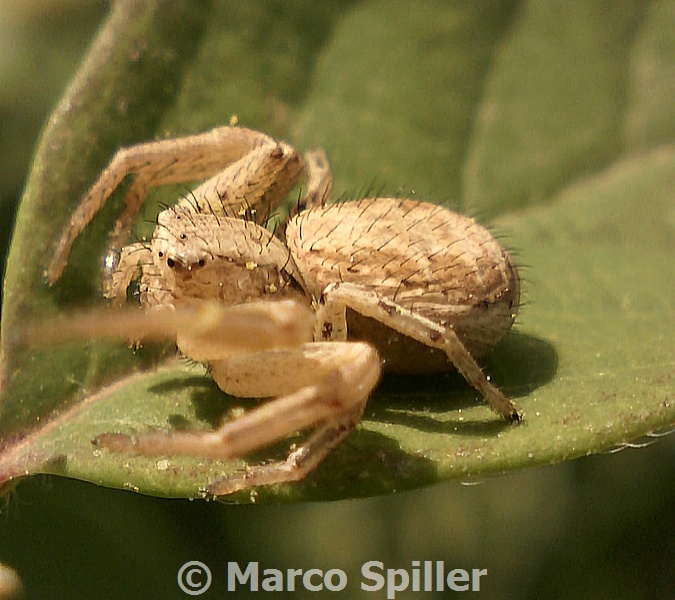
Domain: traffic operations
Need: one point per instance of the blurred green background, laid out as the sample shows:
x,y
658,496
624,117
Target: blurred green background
x,y
598,527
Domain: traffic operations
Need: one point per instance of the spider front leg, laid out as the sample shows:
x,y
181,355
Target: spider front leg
x,y
300,461
155,163
203,329
318,386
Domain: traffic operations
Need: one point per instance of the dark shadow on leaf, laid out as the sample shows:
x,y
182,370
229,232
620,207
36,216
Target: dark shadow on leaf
x,y
370,464
366,464
521,364
214,406
179,383
179,422
56,465
211,404
426,421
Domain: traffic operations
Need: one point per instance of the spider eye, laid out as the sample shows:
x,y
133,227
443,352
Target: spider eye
x,y
183,236
170,262
160,254
202,262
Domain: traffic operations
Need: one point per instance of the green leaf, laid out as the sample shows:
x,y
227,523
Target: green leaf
x,y
553,123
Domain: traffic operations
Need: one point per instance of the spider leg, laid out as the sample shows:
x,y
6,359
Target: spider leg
x,y
369,304
252,186
154,163
323,386
203,329
301,461
319,180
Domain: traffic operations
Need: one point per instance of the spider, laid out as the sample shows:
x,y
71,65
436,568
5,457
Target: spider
x,y
307,318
